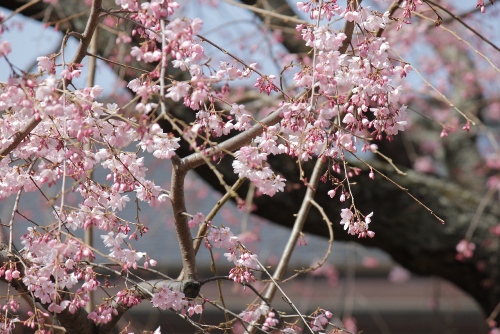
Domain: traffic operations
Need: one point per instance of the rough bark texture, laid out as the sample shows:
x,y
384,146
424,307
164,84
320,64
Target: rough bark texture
x,y
403,228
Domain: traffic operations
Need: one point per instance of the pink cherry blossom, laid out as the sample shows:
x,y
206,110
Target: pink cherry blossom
x,y
5,48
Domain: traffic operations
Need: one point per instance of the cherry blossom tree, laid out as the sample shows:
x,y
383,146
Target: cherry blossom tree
x,y
339,140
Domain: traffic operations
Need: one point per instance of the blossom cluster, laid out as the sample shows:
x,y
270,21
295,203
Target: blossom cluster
x,y
221,237
480,4
465,249
251,163
354,92
166,298
253,313
244,262
320,321
125,256
369,77
354,225
49,258
359,88
5,46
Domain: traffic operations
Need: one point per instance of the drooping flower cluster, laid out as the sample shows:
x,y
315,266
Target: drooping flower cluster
x,y
266,84
271,321
125,256
221,237
410,6
244,262
5,46
354,225
197,219
254,313
320,321
83,121
251,163
166,298
367,76
360,88
103,314
480,4
54,266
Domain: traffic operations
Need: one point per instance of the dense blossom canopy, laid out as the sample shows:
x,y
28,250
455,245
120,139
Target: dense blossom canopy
x,y
347,92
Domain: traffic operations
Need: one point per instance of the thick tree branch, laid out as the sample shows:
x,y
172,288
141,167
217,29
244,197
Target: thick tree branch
x,y
145,290
197,159
181,223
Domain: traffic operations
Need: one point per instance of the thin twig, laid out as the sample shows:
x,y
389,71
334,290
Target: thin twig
x,y
245,284
328,251
237,317
163,68
479,212
445,99
248,207
390,162
463,23
285,297
20,9
461,40
264,12
494,313
117,63
400,187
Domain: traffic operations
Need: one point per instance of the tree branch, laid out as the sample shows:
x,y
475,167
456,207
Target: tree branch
x,y
145,290
197,159
181,226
